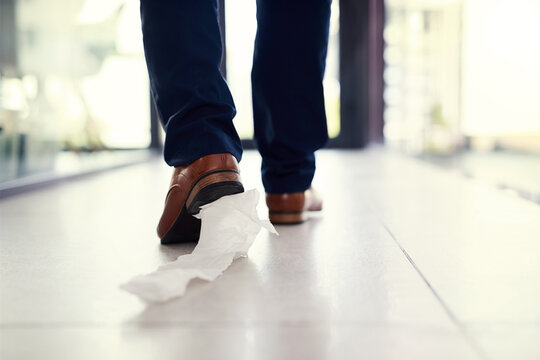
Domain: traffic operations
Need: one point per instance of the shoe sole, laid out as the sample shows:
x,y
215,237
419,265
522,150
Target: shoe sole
x,y
206,189
287,217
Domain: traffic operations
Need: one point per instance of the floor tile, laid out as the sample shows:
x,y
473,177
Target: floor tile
x,y
301,342
478,246
509,341
335,287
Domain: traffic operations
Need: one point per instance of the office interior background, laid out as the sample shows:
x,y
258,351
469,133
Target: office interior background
x,y
454,82
428,243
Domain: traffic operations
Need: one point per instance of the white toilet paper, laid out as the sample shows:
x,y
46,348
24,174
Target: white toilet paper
x,y
229,227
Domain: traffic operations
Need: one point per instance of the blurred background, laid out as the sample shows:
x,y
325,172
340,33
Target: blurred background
x,y
453,82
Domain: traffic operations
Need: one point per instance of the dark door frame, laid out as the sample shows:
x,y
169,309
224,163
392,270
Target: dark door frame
x,y
361,66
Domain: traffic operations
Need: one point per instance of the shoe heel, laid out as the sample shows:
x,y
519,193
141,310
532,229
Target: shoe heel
x,y
207,189
212,187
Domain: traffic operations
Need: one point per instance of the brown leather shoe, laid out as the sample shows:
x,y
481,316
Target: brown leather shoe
x,y
199,183
292,208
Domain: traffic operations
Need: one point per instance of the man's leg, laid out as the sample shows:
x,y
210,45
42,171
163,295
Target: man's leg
x,y
183,51
288,100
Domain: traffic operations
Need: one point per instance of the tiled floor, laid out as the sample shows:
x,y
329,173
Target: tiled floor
x,y
407,261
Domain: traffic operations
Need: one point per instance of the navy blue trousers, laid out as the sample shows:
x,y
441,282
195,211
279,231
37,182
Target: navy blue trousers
x,y
183,52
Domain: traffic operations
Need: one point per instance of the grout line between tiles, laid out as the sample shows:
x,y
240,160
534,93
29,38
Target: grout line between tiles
x,y
470,339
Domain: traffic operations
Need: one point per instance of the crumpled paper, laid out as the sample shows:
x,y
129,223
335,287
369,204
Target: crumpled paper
x,y
229,226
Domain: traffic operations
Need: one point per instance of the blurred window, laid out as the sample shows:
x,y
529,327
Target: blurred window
x,y
72,77
462,74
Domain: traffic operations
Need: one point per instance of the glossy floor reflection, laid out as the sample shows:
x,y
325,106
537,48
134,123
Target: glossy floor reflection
x,y
407,261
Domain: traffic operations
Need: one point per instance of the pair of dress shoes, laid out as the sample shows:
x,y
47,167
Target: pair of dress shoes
x,y
208,179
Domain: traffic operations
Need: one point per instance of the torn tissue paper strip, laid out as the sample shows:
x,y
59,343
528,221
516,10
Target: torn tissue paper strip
x,y
228,228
